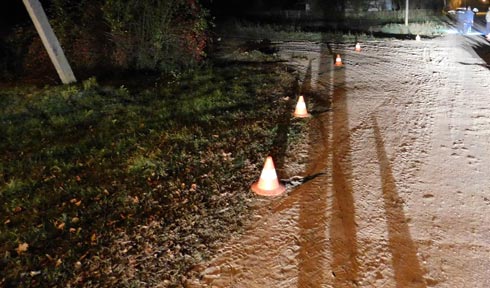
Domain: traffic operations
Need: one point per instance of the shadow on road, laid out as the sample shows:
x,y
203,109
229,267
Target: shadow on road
x,y
313,197
408,272
483,51
343,230
327,226
331,140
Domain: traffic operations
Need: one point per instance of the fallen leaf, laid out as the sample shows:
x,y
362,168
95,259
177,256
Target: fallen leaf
x,y
136,200
60,226
78,265
193,187
58,263
22,248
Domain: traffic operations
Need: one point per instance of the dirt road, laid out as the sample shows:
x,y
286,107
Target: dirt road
x,y
399,161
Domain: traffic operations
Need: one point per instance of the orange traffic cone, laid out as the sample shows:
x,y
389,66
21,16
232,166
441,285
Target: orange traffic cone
x,y
268,184
338,60
358,47
300,110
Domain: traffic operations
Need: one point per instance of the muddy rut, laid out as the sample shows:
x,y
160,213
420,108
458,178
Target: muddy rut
x,y
398,179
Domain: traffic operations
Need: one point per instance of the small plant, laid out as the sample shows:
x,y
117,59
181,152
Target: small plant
x,y
90,83
145,36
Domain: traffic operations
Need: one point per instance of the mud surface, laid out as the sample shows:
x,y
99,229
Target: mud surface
x,y
398,190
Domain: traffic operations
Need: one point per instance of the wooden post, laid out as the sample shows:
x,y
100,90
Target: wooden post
x,y
50,41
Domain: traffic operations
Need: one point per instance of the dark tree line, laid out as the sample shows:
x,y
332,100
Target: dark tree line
x,y
327,7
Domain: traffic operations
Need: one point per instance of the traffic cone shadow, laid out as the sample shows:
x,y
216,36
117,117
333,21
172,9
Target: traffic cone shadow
x,y
268,184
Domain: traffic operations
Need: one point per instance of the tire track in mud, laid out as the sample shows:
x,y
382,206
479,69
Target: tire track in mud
x,y
346,227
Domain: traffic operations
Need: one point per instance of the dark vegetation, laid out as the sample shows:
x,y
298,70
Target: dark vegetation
x,y
106,186
328,15
103,37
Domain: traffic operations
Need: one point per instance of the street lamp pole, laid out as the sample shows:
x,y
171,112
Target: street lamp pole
x,y
406,13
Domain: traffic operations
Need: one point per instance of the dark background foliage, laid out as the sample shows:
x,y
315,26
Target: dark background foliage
x,y
103,36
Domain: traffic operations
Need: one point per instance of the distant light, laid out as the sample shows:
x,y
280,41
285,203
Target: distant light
x,y
474,33
451,31
455,31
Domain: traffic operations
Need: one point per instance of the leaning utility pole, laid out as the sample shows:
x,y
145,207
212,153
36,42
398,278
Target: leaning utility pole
x,y
50,41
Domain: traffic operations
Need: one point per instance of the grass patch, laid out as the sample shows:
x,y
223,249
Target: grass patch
x,y
102,186
426,28
274,32
415,15
356,26
281,32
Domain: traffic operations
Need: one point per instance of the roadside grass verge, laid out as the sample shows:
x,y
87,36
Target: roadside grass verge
x,y
357,27
415,16
105,187
432,28
282,32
